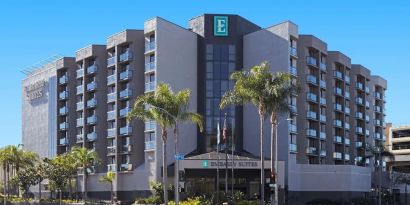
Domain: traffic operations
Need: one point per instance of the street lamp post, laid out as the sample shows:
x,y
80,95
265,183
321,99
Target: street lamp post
x,y
176,177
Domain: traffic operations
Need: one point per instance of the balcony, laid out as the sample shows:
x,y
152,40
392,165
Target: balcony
x,y
127,130
292,128
150,66
92,120
322,66
347,95
367,118
311,133
377,109
322,84
92,69
347,79
359,86
80,138
127,93
80,122
311,61
63,141
367,104
80,106
347,110
111,97
111,168
91,86
359,115
293,148
367,132
311,79
111,150
111,115
347,157
322,101
338,74
322,135
80,89
149,145
338,107
63,95
92,136
337,123
150,86
126,56
323,153
311,115
377,136
293,109
111,79
359,101
367,89
311,150
293,71
126,167
91,103
111,132
359,160
150,46
293,51
377,122
126,75
63,110
338,91
311,97
378,95
337,155
111,61
150,126
347,126
63,80
80,73
124,112
359,144
322,118
359,130
126,148
347,141
63,126
337,139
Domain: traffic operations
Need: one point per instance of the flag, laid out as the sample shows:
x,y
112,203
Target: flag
x,y
225,131
218,134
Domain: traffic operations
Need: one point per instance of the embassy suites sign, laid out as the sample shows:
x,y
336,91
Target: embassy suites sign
x,y
35,90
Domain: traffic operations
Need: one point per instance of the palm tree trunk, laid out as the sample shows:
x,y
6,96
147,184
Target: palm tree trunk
x,y
164,166
176,175
84,183
60,197
274,155
261,119
5,183
112,194
39,192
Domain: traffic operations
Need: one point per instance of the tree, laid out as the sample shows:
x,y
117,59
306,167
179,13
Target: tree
x,y
162,99
280,88
109,178
401,178
26,178
41,174
85,159
251,87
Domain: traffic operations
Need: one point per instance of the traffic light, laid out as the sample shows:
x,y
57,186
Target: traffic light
x,y
181,176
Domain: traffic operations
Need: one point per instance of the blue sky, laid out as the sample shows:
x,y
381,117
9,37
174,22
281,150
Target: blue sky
x,y
373,33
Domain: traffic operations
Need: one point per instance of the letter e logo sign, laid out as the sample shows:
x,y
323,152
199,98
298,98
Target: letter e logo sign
x,y
220,26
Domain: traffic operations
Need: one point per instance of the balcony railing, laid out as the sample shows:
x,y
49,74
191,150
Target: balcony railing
x,y
293,71
80,138
292,148
63,110
311,133
150,86
347,95
111,150
92,119
149,46
311,97
337,155
149,145
111,115
322,66
322,118
293,51
312,79
360,86
311,61
111,79
311,115
150,66
80,73
124,112
80,89
337,139
91,86
338,91
111,168
126,75
347,157
92,136
338,74
92,69
292,128
126,56
111,97
338,107
359,115
80,106
377,136
126,148
337,123
322,84
92,103
323,153
63,95
111,132
377,108
63,126
63,80
322,101
63,141
293,109
127,130
311,150
126,93
359,130
378,95
359,144
359,101
347,141
126,167
111,61
347,110
322,135
347,126
347,79
80,122
150,125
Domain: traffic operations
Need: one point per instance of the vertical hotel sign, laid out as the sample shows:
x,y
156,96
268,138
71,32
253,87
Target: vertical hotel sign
x,y
220,26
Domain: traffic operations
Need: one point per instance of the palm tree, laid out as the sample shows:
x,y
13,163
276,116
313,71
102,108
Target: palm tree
x,y
280,88
85,159
251,87
160,103
109,178
41,169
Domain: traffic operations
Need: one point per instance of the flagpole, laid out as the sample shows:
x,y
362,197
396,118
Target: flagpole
x,y
217,167
226,155
232,147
